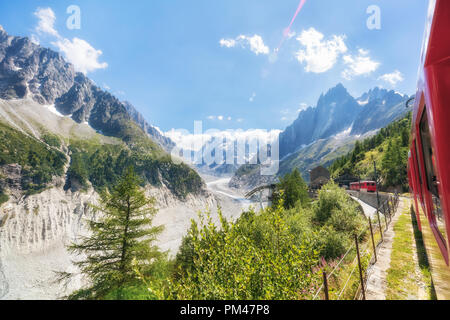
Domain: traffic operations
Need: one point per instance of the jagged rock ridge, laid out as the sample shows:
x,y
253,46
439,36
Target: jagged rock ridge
x,y
28,70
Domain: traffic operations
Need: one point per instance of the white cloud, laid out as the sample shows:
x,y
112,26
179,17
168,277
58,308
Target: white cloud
x,y
255,43
359,65
220,118
229,43
252,98
392,78
318,54
105,86
81,54
46,23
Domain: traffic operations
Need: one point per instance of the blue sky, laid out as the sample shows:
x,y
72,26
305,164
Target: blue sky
x,y
180,61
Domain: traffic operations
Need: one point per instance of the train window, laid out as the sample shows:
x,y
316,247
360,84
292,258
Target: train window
x,y
417,163
431,178
417,171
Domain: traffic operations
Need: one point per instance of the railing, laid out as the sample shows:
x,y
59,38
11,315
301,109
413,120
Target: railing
x,y
358,259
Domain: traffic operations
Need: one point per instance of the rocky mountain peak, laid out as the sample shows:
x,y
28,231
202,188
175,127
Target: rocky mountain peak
x,y
28,70
377,94
337,111
334,96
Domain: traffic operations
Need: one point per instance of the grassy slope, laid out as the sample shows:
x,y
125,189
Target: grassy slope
x,y
403,277
322,152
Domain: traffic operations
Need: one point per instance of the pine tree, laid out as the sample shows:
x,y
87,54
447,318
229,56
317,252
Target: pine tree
x,y
294,189
121,241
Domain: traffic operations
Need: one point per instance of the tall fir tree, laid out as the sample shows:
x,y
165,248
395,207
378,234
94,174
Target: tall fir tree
x,y
121,240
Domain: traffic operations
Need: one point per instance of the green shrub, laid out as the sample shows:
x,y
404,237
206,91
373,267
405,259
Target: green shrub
x,y
333,244
52,140
340,219
255,258
3,198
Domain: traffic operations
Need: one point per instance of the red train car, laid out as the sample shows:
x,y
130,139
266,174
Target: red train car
x,y
369,186
355,186
429,156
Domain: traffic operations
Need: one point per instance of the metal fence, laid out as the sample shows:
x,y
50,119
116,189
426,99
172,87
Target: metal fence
x,y
358,259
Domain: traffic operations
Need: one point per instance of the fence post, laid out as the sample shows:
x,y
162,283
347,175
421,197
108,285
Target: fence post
x,y
385,217
325,285
360,269
373,241
379,224
390,211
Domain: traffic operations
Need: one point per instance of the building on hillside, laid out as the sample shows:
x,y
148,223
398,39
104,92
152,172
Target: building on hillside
x,y
319,177
345,180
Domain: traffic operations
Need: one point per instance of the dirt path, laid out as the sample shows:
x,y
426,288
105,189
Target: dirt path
x,y
376,285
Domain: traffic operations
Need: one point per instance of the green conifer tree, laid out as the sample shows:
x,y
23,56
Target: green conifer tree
x,y
121,241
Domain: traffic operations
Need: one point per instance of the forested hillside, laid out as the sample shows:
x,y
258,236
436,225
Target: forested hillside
x,y
389,150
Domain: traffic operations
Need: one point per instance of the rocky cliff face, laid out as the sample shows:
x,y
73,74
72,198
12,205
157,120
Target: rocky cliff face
x,y
26,68
335,112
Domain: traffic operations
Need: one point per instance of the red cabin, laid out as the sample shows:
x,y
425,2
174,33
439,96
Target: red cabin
x,y
429,156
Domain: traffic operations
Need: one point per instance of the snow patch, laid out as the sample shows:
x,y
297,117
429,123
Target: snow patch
x,y
159,130
345,133
53,110
363,103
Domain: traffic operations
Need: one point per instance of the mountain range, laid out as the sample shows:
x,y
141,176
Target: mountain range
x,y
329,130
